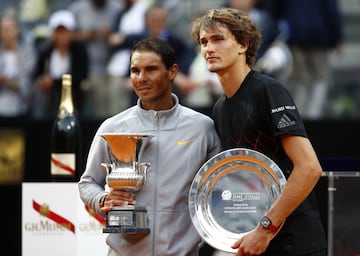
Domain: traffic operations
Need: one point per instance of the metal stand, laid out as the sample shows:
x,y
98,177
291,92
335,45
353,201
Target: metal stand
x,y
332,188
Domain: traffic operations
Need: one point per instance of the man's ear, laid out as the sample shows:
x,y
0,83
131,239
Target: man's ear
x,y
243,47
173,71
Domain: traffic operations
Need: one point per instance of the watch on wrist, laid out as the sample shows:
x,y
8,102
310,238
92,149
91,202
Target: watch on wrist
x,y
266,223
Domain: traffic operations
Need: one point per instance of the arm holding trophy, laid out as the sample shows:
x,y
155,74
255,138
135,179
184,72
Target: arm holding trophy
x,y
142,160
300,183
258,113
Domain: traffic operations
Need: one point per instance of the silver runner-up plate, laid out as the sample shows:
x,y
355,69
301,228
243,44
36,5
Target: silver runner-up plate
x,y
230,193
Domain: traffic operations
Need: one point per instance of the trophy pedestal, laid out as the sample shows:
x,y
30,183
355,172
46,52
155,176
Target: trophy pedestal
x,y
129,219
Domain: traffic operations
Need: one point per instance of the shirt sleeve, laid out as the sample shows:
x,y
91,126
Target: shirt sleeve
x,y
284,116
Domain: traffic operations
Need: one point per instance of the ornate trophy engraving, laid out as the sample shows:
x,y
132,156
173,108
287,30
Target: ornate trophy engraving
x,y
126,173
230,193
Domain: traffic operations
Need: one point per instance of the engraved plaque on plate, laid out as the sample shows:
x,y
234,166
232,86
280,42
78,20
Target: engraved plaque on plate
x,y
230,193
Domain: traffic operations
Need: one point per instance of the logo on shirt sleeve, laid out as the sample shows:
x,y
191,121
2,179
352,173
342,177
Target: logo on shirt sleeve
x,y
284,122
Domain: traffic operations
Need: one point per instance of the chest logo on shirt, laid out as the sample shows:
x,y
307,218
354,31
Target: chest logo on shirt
x,y
284,122
184,142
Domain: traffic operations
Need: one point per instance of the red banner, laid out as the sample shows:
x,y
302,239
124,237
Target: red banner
x,y
95,215
44,210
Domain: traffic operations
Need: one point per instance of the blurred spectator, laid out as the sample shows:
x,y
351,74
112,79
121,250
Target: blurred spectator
x,y
16,62
203,87
94,20
314,29
32,14
130,20
156,20
62,54
265,22
274,57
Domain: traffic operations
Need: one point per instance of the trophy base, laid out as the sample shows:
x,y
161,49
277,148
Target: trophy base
x,y
129,219
129,230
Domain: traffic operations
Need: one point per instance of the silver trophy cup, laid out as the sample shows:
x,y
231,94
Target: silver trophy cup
x,y
125,172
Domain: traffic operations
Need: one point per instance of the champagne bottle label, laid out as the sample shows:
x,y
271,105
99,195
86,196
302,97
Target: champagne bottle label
x,y
63,164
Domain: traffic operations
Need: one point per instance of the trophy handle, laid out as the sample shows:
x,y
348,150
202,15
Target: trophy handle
x,y
107,167
143,169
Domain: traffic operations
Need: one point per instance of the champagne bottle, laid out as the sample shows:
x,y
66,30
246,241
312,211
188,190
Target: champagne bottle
x,y
66,138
